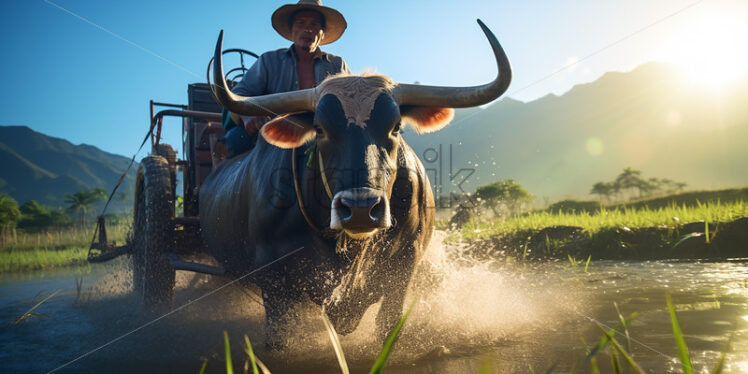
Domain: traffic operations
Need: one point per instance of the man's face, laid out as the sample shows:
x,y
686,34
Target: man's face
x,y
306,30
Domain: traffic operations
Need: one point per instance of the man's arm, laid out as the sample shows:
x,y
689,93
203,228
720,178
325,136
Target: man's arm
x,y
254,83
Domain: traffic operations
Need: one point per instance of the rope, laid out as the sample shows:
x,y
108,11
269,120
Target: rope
x,y
297,189
116,186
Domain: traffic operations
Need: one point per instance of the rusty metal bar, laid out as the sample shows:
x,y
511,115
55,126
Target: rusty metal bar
x,y
180,106
108,253
208,116
178,264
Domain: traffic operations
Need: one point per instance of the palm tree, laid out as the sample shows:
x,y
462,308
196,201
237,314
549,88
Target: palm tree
x,y
81,201
630,179
604,190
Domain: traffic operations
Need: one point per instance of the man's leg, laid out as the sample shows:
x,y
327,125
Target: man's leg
x,y
237,139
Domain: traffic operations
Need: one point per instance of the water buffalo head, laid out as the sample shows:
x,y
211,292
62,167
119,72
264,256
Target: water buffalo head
x,y
355,122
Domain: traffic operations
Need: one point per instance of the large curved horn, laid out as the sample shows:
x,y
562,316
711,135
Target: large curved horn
x,y
460,97
266,105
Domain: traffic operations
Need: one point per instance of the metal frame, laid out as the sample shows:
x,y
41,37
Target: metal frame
x,y
185,229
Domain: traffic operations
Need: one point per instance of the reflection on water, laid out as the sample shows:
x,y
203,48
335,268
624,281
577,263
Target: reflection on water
x,y
468,314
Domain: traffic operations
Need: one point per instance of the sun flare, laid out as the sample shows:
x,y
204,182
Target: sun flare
x,y
711,53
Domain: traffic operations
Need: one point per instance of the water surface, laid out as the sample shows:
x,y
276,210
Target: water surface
x,y
467,314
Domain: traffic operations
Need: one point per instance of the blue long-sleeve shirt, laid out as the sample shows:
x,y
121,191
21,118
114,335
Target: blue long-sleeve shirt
x,y
275,72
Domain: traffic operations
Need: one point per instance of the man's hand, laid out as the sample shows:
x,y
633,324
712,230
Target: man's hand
x,y
253,124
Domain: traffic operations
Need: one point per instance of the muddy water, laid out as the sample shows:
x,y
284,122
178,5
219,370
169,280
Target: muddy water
x,y
467,315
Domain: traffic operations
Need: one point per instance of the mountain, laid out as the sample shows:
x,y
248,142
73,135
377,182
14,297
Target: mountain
x,y
42,168
650,119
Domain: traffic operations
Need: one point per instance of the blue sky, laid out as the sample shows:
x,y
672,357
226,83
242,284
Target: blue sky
x,y
67,74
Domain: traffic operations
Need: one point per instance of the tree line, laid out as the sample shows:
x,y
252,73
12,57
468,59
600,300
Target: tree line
x,y
631,185
34,217
506,198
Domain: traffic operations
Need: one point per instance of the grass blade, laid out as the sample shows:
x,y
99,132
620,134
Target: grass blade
x,y
251,355
706,230
30,312
686,237
227,349
621,351
593,366
384,355
336,344
721,362
587,264
604,339
572,260
625,326
615,363
203,366
685,359
263,368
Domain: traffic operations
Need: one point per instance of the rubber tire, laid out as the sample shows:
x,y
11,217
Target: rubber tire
x,y
153,235
167,152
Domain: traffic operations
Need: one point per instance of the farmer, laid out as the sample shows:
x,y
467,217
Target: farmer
x,y
308,25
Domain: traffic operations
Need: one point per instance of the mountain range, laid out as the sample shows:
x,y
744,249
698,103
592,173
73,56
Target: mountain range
x,y
558,146
652,119
43,168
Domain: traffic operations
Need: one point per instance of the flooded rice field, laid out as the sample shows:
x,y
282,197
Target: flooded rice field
x,y
467,315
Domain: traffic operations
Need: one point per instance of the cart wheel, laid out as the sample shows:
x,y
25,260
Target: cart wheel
x,y
167,152
153,234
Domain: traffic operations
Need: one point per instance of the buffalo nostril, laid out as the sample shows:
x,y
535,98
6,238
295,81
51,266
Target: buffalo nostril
x,y
360,203
345,212
376,212
361,208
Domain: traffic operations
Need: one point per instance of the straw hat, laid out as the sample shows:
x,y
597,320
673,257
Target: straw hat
x,y
334,21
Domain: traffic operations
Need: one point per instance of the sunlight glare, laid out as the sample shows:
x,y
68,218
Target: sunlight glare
x,y
711,53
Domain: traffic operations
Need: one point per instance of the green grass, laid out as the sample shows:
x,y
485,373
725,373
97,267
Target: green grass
x,y
74,236
592,223
36,259
253,362
616,350
22,251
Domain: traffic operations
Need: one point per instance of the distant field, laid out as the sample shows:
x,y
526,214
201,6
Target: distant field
x,y
690,199
41,259
46,250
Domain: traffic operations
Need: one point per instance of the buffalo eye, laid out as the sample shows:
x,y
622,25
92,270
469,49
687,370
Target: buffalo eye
x,y
319,131
396,129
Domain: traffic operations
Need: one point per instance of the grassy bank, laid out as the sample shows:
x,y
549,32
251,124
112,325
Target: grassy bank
x,y
671,216
21,251
702,230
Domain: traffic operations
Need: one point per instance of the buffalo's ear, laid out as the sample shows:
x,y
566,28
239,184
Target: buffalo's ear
x,y
289,130
426,119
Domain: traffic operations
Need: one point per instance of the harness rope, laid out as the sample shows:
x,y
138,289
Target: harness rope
x,y
154,124
297,189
